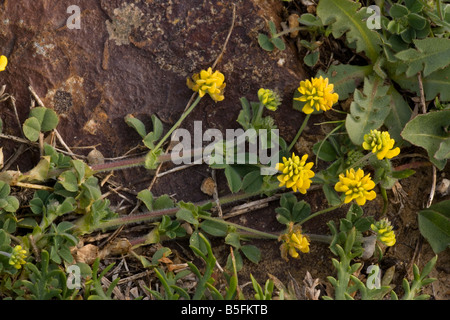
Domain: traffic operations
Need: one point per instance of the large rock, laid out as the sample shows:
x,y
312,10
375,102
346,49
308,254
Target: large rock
x,y
134,57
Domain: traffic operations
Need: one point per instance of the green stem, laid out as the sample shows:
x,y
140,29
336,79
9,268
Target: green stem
x,y
183,116
385,200
357,163
282,33
129,163
311,236
318,213
305,121
151,215
259,114
237,226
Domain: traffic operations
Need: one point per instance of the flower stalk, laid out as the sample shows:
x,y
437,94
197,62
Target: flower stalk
x,y
299,132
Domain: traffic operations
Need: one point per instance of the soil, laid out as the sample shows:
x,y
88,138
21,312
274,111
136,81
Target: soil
x,y
133,57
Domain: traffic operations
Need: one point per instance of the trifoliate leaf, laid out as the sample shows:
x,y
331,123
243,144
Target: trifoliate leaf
x,y
431,54
32,128
344,17
48,119
368,110
398,11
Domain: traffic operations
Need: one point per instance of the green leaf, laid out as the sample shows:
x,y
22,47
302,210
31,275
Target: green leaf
x,y
331,195
32,128
163,202
48,119
279,43
69,181
345,78
434,224
443,151
431,54
157,127
310,20
437,83
197,242
272,28
186,215
417,21
398,11
233,179
429,131
214,228
146,197
265,43
136,124
233,239
252,181
5,189
368,110
151,159
311,59
344,17
327,151
402,174
252,253
300,211
399,115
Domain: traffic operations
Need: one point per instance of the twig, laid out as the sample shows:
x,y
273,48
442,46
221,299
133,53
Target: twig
x,y
216,194
135,277
60,139
179,168
227,38
433,188
422,95
36,97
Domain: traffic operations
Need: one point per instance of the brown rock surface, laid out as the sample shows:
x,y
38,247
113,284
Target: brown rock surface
x,y
134,57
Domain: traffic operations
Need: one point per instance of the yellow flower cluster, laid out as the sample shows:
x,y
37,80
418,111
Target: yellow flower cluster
x,y
317,94
18,256
296,173
3,63
384,232
356,185
269,99
293,240
381,144
209,82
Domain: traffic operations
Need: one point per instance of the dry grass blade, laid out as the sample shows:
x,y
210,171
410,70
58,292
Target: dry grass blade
x,y
310,290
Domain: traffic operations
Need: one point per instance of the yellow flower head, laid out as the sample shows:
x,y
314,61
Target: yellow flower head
x,y
295,173
317,94
3,63
293,241
17,257
269,99
384,232
356,186
209,82
381,144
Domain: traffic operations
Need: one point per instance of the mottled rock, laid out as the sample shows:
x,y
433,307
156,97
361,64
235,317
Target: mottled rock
x,y
134,57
